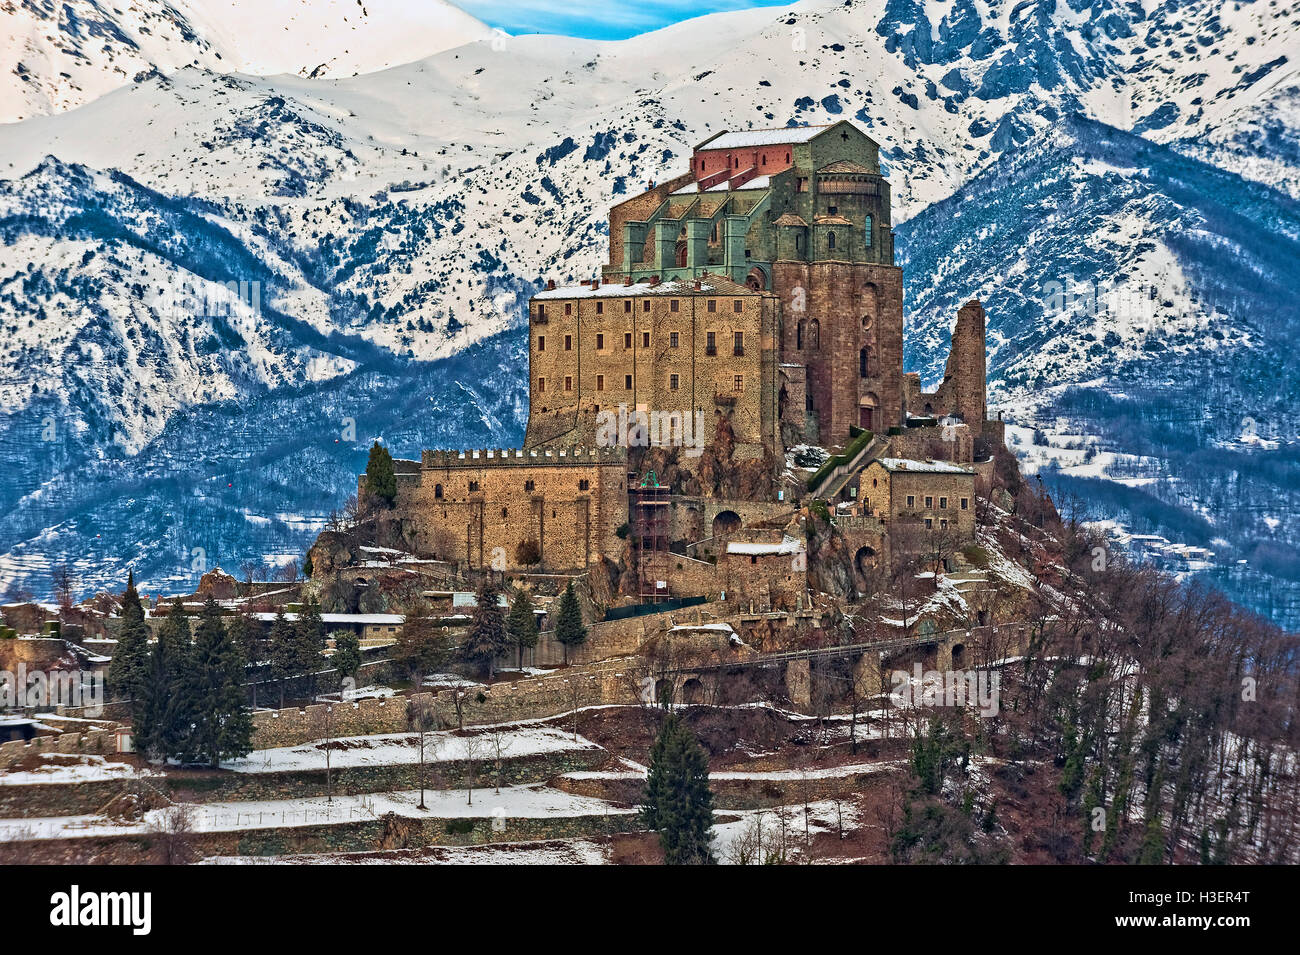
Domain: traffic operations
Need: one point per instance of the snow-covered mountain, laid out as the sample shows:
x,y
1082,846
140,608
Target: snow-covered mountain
x,y
63,53
393,219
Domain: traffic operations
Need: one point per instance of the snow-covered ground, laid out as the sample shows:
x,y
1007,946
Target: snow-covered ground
x,y
519,802
69,768
402,748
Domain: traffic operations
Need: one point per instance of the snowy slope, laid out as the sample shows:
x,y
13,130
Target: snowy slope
x,y
398,217
63,53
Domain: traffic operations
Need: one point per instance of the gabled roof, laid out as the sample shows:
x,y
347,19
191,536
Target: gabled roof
x,y
742,139
789,218
845,166
831,220
928,467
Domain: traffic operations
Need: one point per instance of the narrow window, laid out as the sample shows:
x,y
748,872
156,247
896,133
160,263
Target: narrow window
x,y
627,339
672,382
830,241
530,485
710,343
943,504
929,502
437,492
713,305
964,503
911,500
645,305
568,383
584,485
627,305
672,339
541,311
473,486
600,382
736,305
672,306
600,340
627,382
541,384
738,346
738,383
645,338
541,343
866,233
568,343
568,308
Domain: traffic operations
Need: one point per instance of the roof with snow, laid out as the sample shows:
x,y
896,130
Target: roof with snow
x,y
712,285
788,545
930,467
743,139
327,618
758,182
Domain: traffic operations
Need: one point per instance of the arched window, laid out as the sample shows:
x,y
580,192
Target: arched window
x,y
437,492
864,362
867,232
798,336
815,335
830,241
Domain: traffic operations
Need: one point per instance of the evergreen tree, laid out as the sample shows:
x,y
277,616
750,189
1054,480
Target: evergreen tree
x,y
521,623
223,727
128,674
422,646
284,652
381,480
678,802
569,629
487,638
347,654
307,567
165,718
251,640
311,641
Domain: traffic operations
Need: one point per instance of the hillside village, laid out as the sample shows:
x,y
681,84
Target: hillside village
x,y
738,534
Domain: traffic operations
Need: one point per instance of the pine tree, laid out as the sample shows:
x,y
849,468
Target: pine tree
x,y
569,629
422,646
311,641
678,802
165,717
521,623
347,654
284,652
128,674
381,480
487,638
251,640
223,727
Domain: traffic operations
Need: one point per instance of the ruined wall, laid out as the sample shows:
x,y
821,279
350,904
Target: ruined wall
x,y
963,389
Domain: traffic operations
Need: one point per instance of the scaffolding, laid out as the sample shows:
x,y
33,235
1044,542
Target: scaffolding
x,y
648,503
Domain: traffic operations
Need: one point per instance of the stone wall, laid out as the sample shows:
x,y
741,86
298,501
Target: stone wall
x,y
94,740
479,507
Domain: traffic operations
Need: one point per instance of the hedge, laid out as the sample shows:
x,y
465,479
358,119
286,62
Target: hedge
x,y
860,441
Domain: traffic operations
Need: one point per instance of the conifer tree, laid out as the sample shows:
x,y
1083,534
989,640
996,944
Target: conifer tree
x,y
381,480
521,623
311,640
165,719
249,637
678,802
569,629
284,652
487,638
422,645
223,727
129,672
347,654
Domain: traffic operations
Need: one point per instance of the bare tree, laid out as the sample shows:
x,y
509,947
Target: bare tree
x,y
475,748
422,718
172,833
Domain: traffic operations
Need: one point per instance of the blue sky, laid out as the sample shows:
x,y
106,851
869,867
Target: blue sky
x,y
596,19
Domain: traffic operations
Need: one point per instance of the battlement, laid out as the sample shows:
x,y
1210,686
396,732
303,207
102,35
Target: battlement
x,y
517,457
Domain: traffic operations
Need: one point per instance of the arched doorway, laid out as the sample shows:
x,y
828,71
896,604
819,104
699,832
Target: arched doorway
x,y
757,279
726,524
865,560
680,256
869,411
693,691
958,654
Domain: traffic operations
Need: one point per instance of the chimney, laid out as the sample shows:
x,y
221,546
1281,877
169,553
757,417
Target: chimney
x,y
550,285
697,285
628,280
654,280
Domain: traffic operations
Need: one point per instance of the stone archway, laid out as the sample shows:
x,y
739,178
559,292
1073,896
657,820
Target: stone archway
x,y
726,524
865,560
757,279
693,691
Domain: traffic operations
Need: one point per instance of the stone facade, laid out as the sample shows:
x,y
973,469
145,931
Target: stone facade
x,y
488,508
682,353
935,495
962,392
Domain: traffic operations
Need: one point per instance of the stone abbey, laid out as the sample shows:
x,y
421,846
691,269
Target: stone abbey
x,y
749,305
